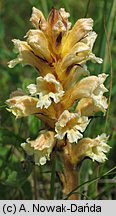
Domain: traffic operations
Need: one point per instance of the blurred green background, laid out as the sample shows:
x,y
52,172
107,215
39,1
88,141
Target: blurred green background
x,y
19,178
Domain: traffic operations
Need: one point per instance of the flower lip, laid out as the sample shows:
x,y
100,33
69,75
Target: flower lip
x,y
92,148
71,124
41,147
48,89
98,148
99,99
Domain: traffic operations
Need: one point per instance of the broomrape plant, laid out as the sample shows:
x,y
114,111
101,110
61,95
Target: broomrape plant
x,y
59,54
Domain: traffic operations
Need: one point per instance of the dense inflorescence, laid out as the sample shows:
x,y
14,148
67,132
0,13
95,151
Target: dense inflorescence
x,y
59,54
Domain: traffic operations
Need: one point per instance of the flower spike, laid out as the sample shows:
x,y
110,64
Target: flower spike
x,y
65,97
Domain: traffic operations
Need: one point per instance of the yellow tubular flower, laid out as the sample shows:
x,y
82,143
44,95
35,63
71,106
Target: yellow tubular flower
x,y
81,36
79,54
48,89
77,46
89,40
74,74
93,148
58,25
87,107
41,147
54,28
72,125
78,32
39,44
22,106
27,57
90,87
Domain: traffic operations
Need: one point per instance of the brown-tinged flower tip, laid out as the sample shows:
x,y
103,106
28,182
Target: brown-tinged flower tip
x,y
38,19
58,21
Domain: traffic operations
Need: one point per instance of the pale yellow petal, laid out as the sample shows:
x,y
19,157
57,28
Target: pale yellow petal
x,y
27,57
90,38
41,147
39,44
80,29
89,87
22,106
48,89
93,148
87,107
71,125
73,75
79,54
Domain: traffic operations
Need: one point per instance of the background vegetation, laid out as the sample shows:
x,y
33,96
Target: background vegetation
x,y
19,178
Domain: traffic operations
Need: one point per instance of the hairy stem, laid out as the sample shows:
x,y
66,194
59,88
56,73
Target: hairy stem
x,y
70,177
